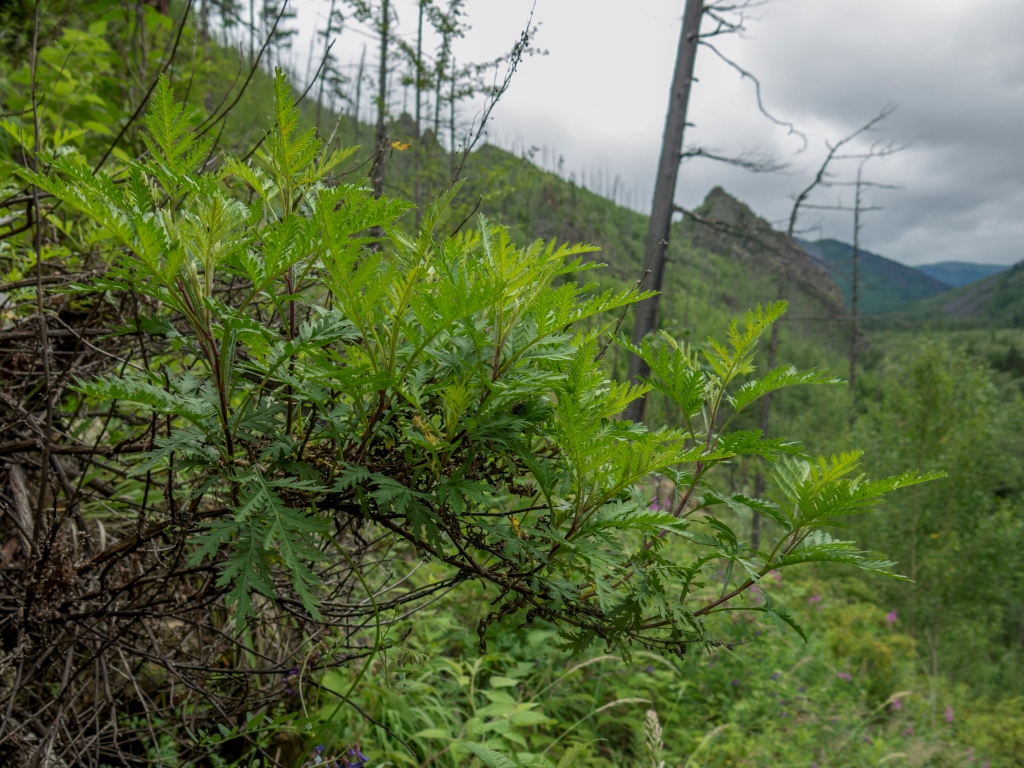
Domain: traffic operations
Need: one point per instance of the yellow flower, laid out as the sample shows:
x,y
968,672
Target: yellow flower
x,y
401,146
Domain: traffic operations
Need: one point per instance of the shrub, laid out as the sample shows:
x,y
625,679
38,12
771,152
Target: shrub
x,y
322,398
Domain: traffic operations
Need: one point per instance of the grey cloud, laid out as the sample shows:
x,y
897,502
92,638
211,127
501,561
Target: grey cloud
x,y
956,69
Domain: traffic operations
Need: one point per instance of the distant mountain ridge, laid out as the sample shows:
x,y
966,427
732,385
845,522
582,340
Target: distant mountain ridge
x,y
884,285
996,301
958,273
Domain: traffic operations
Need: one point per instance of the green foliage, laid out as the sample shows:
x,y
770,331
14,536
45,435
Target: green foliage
x,y
961,545
333,382
996,301
442,389
851,696
74,109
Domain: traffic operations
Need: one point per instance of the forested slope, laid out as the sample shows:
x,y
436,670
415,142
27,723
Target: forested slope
x,y
322,591
996,301
883,285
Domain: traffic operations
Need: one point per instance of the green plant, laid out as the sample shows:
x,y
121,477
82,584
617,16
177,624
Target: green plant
x,y
436,389
850,696
321,398
960,546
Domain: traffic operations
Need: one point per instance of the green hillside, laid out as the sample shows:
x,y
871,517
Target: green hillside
x,y
884,285
995,302
399,459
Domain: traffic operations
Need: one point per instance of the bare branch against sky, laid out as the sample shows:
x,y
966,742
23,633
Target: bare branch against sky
x,y
598,100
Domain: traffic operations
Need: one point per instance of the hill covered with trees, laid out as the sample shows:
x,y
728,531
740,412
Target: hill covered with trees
x,y
314,450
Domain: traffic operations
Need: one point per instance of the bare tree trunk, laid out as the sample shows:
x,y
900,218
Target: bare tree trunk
x,y
451,122
381,151
327,46
359,93
855,276
766,414
656,244
209,100
418,149
204,23
442,64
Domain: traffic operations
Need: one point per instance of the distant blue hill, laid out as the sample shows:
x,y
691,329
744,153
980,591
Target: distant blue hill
x,y
883,285
957,273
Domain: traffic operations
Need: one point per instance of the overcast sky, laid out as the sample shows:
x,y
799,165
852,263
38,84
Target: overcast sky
x,y
955,68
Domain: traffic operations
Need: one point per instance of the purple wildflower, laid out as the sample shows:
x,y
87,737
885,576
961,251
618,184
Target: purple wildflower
x,y
735,682
290,679
655,505
357,753
776,676
845,676
814,599
908,731
896,705
948,715
891,618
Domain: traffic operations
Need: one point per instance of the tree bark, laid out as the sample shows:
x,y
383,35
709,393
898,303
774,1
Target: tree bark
x,y
418,149
766,412
656,243
451,120
381,152
359,95
323,77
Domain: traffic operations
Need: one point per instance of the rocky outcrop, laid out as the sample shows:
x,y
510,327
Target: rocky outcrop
x,y
726,226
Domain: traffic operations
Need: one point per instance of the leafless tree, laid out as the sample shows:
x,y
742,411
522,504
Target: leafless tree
x,y
418,148
662,207
728,18
380,158
493,92
359,92
859,209
824,177
333,17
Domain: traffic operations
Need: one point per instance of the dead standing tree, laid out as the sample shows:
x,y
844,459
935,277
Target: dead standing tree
x,y
662,207
875,151
379,20
859,209
728,18
823,178
380,158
